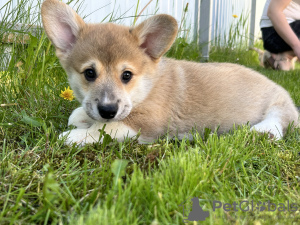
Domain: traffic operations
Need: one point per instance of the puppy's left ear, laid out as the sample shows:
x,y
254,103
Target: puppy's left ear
x,y
62,25
156,34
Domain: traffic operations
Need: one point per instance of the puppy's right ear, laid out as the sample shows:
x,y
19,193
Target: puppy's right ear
x,y
62,25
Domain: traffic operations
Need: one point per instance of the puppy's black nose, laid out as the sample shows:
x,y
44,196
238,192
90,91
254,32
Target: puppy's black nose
x,y
108,111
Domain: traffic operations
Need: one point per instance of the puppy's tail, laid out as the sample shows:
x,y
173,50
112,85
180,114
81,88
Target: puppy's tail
x,y
259,51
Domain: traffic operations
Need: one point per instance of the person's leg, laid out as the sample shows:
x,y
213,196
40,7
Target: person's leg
x,y
273,42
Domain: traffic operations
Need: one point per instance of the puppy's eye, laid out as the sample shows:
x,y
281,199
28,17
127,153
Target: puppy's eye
x,y
90,74
126,76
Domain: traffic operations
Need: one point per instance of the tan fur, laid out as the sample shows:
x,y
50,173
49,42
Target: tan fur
x,y
164,95
216,94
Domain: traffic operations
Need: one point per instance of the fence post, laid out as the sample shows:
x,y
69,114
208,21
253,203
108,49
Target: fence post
x,y
196,21
205,28
252,23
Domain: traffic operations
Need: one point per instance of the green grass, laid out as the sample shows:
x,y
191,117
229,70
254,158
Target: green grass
x,y
44,182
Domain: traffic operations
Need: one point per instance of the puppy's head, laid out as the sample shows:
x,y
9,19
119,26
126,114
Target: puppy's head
x,y
285,62
111,68
282,61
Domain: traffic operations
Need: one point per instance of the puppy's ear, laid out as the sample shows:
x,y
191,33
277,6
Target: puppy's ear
x,y
62,25
156,34
293,61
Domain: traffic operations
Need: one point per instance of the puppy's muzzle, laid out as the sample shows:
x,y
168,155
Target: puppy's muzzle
x,y
108,111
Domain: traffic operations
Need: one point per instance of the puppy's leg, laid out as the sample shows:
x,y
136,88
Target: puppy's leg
x,y
117,130
80,119
277,120
271,124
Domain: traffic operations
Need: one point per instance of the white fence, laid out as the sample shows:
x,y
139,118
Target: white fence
x,y
214,17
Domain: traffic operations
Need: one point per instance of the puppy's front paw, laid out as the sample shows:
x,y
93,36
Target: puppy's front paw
x,y
79,137
80,119
117,130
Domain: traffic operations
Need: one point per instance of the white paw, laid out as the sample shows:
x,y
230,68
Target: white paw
x,y
117,130
79,137
80,119
274,130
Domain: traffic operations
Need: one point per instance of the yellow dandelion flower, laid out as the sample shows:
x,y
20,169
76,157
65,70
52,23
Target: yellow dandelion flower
x,y
235,16
67,94
160,195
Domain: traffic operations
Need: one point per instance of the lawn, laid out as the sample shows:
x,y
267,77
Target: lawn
x,y
239,178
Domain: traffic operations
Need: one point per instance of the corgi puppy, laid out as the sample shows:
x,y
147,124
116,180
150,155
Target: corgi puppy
x,y
122,80
280,61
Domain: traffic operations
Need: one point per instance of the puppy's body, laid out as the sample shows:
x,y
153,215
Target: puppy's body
x,y
207,95
122,80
